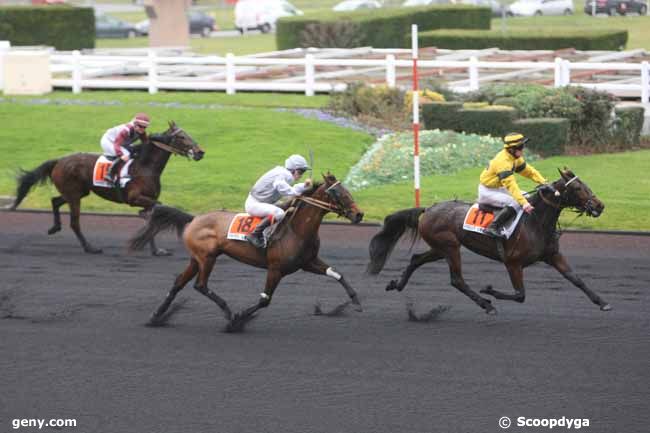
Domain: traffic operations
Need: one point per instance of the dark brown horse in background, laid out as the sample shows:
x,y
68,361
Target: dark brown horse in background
x,y
73,177
293,246
535,239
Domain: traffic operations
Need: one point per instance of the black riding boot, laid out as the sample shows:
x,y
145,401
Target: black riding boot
x,y
256,237
111,175
500,220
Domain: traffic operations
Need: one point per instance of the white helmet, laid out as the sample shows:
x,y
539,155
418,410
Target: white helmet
x,y
296,162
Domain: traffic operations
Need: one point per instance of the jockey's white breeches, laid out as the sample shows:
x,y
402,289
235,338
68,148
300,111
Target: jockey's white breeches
x,y
260,209
499,197
109,148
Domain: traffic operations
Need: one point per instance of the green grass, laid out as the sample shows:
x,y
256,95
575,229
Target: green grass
x,y
616,179
243,142
240,144
143,98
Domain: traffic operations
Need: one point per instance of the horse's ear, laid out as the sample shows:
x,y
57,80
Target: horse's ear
x,y
172,124
324,177
562,173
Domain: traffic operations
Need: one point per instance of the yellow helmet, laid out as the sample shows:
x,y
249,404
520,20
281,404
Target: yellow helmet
x,y
514,139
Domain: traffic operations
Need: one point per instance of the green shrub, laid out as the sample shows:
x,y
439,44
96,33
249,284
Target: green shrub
x,y
486,121
628,126
331,35
384,28
442,115
592,127
548,136
525,39
63,27
376,102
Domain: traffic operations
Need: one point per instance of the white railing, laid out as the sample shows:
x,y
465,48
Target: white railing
x,y
155,72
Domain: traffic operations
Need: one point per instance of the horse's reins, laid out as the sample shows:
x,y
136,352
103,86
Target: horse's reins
x,y
167,147
329,207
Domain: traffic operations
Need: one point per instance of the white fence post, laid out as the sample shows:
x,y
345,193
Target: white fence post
x,y
390,70
645,83
230,74
5,46
153,72
566,72
558,72
473,73
309,75
76,71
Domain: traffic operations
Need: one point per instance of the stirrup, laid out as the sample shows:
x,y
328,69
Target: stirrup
x,y
490,231
256,241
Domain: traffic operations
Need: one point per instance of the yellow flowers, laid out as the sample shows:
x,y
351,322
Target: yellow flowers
x,y
424,97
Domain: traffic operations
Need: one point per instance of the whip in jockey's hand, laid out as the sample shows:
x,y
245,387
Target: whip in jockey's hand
x,y
498,186
273,185
116,142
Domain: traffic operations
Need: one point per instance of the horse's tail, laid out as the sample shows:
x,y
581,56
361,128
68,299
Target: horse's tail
x,y
395,225
162,218
28,179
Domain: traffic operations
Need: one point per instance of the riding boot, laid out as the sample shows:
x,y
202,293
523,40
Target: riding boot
x,y
500,220
111,175
256,237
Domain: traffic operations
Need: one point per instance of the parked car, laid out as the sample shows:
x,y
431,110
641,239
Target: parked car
x,y
613,7
494,5
200,24
262,14
540,7
107,26
355,5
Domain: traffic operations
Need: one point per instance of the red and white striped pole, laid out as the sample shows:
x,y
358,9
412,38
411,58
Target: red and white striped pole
x,y
416,115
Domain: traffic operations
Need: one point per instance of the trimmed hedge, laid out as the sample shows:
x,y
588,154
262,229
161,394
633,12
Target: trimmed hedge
x,y
63,27
382,28
442,115
629,123
487,121
548,136
525,39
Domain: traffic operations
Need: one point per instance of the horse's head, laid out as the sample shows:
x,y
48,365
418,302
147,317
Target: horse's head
x,y
339,198
576,194
181,143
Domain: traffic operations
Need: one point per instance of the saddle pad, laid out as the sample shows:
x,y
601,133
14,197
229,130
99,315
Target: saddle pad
x,y
241,225
478,220
102,165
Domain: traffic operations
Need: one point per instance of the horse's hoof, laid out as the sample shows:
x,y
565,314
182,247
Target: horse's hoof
x,y
489,309
93,250
358,308
391,286
54,229
605,307
161,252
487,290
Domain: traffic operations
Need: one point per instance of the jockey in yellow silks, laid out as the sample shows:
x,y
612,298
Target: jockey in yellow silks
x,y
498,186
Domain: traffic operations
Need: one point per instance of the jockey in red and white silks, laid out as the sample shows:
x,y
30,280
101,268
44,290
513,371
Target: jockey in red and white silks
x,y
271,187
116,142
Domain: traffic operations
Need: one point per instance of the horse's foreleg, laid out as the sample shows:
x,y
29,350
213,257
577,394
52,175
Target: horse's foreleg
x,y
158,317
516,273
201,285
57,202
318,266
238,322
559,262
75,210
417,260
457,280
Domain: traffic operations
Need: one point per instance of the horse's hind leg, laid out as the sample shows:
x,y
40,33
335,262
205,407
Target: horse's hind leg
x,y
516,273
57,202
457,280
75,210
558,261
317,266
417,260
158,317
201,285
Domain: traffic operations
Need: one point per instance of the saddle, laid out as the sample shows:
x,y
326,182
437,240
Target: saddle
x,y
480,216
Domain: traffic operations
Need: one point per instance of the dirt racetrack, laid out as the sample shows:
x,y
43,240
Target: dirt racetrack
x,y
73,344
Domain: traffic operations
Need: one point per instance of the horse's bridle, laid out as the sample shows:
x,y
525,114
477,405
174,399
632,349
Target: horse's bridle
x,y
325,205
588,206
171,149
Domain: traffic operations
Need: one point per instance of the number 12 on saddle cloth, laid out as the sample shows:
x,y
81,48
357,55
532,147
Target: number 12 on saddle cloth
x,y
241,225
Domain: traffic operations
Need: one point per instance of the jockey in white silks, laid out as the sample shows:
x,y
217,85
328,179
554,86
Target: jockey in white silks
x,y
271,187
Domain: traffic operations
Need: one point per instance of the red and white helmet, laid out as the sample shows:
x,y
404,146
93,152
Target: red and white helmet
x,y
141,119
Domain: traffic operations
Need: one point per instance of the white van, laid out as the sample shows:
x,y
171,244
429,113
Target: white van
x,y
262,14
